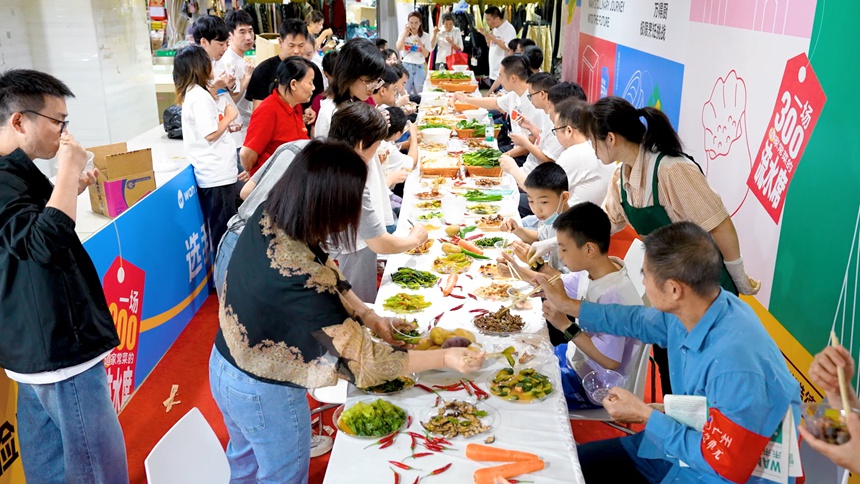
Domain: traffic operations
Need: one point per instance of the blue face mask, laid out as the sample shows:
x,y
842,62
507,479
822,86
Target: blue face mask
x,y
551,219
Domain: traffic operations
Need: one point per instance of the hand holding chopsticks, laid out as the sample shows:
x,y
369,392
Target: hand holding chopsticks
x,y
531,293
843,384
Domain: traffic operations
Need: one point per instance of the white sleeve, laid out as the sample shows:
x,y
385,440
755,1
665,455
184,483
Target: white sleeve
x,y
508,33
205,114
507,102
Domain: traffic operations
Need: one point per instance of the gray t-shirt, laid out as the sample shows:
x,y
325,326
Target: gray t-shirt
x,y
265,178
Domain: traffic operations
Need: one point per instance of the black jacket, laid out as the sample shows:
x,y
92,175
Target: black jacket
x,y
53,313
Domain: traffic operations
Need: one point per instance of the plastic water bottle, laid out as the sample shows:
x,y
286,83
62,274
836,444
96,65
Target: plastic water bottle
x,y
489,128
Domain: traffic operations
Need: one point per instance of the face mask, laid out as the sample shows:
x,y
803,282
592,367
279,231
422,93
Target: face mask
x,y
551,219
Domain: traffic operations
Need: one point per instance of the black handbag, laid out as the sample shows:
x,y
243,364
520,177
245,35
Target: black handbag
x,y
172,118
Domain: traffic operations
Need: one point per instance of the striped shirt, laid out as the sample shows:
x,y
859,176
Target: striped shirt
x,y
682,188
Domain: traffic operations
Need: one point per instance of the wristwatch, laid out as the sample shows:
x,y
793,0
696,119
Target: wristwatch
x,y
572,331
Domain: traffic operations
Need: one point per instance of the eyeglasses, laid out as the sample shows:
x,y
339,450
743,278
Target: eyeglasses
x,y
373,85
529,95
555,130
63,124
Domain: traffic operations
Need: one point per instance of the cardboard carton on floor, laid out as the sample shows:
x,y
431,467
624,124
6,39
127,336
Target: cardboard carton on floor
x,y
124,178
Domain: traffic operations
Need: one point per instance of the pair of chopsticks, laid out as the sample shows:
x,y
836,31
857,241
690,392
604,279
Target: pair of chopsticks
x,y
526,296
840,374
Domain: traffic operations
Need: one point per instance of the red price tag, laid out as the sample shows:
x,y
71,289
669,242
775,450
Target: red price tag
x,y
123,286
798,105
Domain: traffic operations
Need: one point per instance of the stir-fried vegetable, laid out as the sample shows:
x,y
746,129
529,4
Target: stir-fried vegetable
x,y
486,157
488,241
405,303
413,278
480,196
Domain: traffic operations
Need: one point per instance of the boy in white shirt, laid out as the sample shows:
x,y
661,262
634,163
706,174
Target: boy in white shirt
x,y
587,177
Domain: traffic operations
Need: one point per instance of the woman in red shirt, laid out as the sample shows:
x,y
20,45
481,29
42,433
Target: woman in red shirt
x,y
279,118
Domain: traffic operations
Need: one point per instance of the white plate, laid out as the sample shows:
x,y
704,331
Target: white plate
x,y
492,420
487,380
339,411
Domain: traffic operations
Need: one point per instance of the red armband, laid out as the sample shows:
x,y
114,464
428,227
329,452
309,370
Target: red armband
x,y
731,450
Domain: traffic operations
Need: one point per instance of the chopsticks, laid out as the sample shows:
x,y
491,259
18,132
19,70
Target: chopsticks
x,y
840,374
530,294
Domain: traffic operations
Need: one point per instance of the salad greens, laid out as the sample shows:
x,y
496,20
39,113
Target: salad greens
x,y
450,75
480,196
375,419
413,278
476,125
485,157
434,125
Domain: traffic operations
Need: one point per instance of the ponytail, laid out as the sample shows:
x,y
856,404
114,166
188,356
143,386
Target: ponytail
x,y
616,115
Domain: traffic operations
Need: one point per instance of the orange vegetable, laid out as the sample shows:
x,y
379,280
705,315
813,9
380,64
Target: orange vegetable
x,y
488,475
495,454
465,244
449,284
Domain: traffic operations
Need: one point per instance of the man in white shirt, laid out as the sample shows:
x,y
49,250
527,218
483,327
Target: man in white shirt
x,y
587,177
240,26
502,33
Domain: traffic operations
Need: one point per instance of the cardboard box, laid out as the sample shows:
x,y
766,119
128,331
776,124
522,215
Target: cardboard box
x,y
124,178
267,46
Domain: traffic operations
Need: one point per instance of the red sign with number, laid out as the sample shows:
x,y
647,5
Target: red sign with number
x,y
123,286
798,105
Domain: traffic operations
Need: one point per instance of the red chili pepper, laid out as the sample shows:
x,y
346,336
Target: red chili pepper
x,y
408,421
396,476
437,318
466,387
438,400
479,391
439,470
412,445
457,307
420,455
425,388
389,439
440,440
434,447
386,445
478,311
472,296
459,287
517,481
469,276
417,435
402,466
457,296
416,480
475,237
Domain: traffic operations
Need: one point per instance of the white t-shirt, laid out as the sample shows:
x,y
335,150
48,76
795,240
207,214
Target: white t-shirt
x,y
394,159
214,162
507,33
614,288
546,142
408,56
522,104
587,177
56,376
323,123
235,65
443,48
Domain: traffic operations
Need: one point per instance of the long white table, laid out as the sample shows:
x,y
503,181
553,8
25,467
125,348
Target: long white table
x,y
542,428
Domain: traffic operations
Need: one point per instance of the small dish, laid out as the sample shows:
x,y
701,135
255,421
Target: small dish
x,y
344,429
408,382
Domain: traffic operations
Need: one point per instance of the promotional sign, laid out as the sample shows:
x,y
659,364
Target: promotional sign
x,y
797,108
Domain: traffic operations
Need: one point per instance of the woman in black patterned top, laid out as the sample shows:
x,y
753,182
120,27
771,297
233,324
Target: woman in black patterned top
x,y
290,322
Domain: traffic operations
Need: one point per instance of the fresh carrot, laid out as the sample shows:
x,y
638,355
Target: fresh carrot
x,y
488,475
450,284
495,454
465,244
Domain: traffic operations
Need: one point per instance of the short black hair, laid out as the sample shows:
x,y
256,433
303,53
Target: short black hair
x,y
293,68
585,222
548,176
571,112
542,81
565,90
397,119
387,53
211,28
318,202
534,56
358,58
446,17
401,70
350,116
294,27
26,90
514,43
517,65
314,16
329,62
389,76
527,42
685,252
237,18
494,11
380,43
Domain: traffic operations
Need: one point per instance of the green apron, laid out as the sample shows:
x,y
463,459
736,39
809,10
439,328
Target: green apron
x,y
648,219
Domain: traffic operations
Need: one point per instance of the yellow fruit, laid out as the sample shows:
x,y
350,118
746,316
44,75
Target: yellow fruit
x,y
424,343
465,333
450,248
439,335
452,230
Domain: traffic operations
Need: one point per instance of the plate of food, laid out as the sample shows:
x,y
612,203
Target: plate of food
x,y
495,291
370,418
523,351
494,324
433,194
406,331
402,303
520,386
490,271
423,248
458,418
476,195
452,263
429,205
490,223
410,278
487,242
392,387
429,215
483,208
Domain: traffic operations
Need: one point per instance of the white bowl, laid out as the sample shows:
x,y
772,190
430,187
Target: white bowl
x,y
475,114
461,67
431,95
436,135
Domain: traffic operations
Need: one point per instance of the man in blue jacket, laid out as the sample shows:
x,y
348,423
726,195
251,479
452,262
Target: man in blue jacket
x,y
55,327
717,347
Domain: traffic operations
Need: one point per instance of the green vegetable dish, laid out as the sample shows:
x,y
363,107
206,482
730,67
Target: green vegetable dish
x,y
434,125
430,215
413,278
488,241
406,331
374,419
476,125
394,386
525,386
405,303
485,157
480,196
450,75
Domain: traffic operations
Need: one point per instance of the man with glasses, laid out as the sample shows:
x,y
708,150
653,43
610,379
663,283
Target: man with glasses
x,y
55,327
588,178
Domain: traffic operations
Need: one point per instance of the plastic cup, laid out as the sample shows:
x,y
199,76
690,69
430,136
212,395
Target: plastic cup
x,y
598,382
453,208
826,421
91,165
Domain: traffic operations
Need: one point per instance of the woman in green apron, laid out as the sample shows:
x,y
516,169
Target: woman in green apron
x,y
657,184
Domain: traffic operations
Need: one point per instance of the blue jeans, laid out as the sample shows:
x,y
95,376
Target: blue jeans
x,y
269,425
69,431
417,75
222,259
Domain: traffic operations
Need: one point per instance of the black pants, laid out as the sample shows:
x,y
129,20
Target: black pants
x,y
661,356
218,205
614,461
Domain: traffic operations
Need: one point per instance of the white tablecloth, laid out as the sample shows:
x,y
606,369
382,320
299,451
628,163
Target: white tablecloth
x,y
541,428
